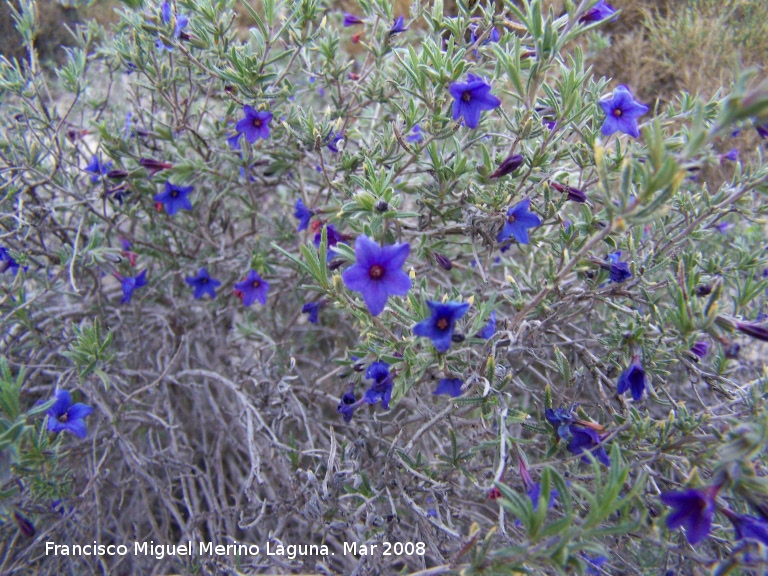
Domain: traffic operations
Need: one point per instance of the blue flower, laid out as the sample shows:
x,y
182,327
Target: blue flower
x,y
398,26
594,565
471,98
165,12
732,155
748,527
599,11
129,284
633,378
450,386
332,139
234,141
255,125
252,288
96,168
181,23
174,198
762,130
348,403
303,215
203,284
381,389
333,236
64,415
441,323
618,271
534,493
494,36
621,113
560,419
489,329
519,220
416,134
377,273
585,439
7,262
693,509
313,309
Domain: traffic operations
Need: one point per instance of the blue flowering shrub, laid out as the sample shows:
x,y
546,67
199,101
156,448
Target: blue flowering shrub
x,y
395,292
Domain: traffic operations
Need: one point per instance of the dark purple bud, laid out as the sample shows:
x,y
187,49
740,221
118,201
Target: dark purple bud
x,y
509,165
154,166
762,130
351,19
381,206
457,338
700,349
117,174
574,194
703,290
754,330
732,351
26,527
443,261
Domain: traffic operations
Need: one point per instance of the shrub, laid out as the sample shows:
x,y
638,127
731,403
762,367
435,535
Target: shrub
x,y
453,296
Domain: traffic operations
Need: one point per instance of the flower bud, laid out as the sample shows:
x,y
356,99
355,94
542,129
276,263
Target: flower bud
x,y
574,194
26,527
509,165
117,174
443,261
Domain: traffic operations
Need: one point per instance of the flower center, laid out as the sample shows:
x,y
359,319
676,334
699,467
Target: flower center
x,y
174,193
467,96
255,284
617,112
204,281
257,122
442,323
511,219
63,418
376,272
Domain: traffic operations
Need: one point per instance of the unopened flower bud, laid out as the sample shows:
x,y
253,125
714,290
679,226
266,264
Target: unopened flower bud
x,y
509,165
574,194
443,261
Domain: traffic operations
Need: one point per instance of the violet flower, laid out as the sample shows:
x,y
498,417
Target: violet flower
x,y
439,326
633,379
598,12
519,220
621,113
64,415
255,125
253,288
450,386
174,198
378,273
398,26
471,98
203,284
693,510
